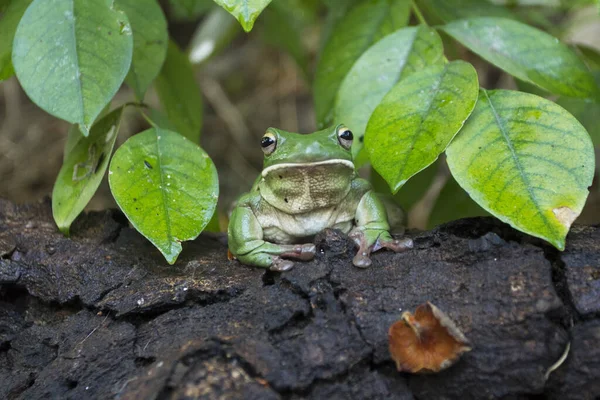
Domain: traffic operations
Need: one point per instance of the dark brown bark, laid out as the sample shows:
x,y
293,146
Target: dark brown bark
x,y
101,315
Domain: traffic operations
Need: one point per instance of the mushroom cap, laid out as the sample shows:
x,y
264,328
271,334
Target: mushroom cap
x,y
427,341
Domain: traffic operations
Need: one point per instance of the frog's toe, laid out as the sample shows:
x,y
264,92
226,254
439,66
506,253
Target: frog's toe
x,y
303,252
361,260
281,265
396,245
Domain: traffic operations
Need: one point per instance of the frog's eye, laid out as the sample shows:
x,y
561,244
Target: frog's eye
x,y
268,143
345,137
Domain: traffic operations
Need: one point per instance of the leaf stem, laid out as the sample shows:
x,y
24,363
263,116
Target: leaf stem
x,y
418,13
136,104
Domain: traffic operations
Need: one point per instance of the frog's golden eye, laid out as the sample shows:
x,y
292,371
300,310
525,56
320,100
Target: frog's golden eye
x,y
345,137
268,143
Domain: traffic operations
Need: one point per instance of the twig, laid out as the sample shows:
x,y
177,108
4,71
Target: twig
x,y
95,329
418,13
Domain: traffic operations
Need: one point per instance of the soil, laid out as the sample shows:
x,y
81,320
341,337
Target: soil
x,y
102,315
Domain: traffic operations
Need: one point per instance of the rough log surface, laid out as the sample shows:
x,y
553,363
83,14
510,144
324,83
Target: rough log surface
x,y
101,315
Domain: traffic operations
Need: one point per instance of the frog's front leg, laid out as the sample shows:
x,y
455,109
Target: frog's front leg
x,y
371,232
245,235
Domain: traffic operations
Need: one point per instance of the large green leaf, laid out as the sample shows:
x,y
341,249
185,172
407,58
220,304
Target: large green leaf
x,y
527,53
83,168
167,187
179,94
450,10
525,160
8,25
417,119
150,41
393,57
245,11
365,24
71,56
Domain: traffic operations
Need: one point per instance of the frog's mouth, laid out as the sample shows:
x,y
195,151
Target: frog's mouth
x,y
291,166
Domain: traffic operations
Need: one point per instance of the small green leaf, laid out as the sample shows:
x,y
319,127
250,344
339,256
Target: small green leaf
x,y
150,41
365,23
179,94
245,11
527,53
394,57
417,119
167,187
83,168
450,10
8,25
525,160
71,56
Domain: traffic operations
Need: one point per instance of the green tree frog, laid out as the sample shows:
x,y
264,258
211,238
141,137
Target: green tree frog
x,y
309,183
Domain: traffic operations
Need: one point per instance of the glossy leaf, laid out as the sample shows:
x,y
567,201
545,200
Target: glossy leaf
x,y
150,41
167,187
363,25
417,119
450,10
245,11
71,56
393,58
525,160
179,94
527,53
83,168
8,25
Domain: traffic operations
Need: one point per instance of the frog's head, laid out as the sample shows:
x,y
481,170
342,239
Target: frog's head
x,y
305,172
286,150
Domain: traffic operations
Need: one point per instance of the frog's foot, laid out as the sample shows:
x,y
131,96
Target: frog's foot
x,y
370,240
302,252
280,265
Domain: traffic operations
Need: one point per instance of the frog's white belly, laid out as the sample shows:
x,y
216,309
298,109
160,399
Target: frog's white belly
x,y
280,227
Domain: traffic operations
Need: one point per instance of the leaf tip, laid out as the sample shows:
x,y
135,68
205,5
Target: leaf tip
x,y
247,25
64,229
84,129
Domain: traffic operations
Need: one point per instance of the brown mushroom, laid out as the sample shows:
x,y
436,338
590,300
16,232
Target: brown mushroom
x,y
427,341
